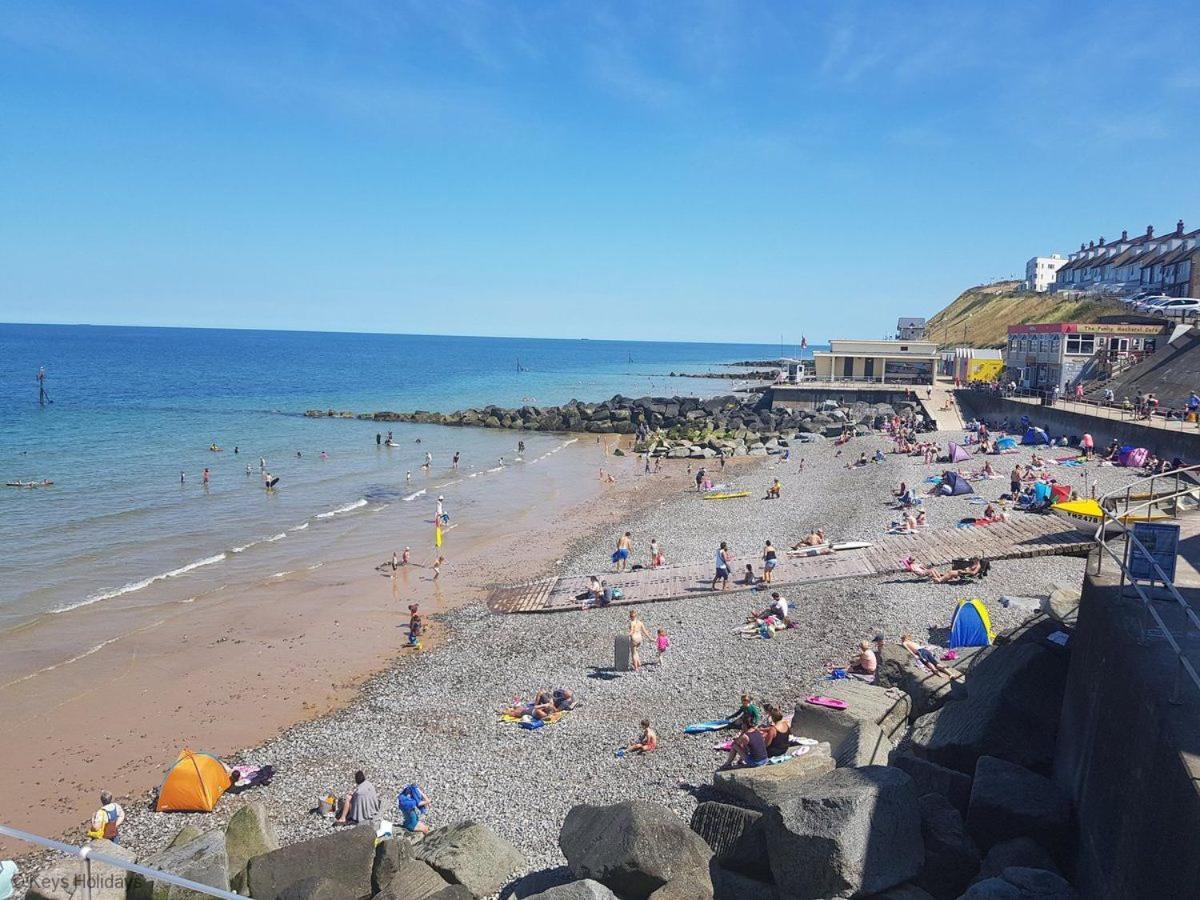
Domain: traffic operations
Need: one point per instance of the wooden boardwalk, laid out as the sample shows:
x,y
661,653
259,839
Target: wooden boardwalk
x,y
1027,536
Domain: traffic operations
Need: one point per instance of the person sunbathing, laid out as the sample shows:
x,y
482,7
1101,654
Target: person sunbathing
x,y
920,521
814,538
972,569
926,658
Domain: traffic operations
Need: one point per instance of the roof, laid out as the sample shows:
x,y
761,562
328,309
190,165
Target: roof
x,y
909,321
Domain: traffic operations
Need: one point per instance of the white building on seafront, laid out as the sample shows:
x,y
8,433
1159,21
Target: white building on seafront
x,y
1040,272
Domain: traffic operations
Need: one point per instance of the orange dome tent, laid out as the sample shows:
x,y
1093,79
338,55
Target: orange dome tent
x,y
193,784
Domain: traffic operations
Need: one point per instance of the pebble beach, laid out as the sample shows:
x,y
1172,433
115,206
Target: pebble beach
x,y
431,717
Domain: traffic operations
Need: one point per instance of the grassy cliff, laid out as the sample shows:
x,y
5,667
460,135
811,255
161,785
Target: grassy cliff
x,y
980,316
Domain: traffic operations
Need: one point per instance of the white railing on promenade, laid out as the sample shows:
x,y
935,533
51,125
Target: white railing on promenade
x,y
87,854
1120,512
1124,412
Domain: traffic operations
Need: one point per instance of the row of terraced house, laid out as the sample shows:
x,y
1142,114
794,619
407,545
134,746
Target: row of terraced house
x,y
1161,264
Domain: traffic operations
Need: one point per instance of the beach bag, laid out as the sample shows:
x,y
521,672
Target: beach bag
x,y
617,593
326,805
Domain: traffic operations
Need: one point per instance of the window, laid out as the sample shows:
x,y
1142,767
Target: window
x,y
1081,344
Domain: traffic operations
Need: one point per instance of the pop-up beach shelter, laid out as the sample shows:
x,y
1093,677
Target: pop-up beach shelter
x,y
1006,443
957,453
970,626
193,784
1034,435
954,484
1133,457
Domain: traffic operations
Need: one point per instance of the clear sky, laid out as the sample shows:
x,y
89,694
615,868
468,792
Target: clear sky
x,y
707,171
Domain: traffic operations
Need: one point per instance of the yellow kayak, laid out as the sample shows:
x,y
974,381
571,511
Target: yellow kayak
x,y
727,496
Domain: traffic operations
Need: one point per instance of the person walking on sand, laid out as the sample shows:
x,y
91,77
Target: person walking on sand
x,y
662,644
722,573
624,547
638,632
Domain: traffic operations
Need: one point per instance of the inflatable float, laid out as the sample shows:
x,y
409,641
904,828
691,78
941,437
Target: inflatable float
x,y
730,495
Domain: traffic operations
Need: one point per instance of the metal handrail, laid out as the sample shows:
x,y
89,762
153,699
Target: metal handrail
x,y
1133,543
87,854
1128,414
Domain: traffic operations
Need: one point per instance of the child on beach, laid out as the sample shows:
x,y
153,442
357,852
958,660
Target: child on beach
x,y
404,556
749,578
662,643
414,626
437,567
647,741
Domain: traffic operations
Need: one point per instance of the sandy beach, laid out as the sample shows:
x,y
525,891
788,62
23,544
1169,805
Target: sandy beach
x,y
430,717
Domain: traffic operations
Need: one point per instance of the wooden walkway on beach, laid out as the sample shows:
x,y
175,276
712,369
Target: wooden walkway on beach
x,y
1024,537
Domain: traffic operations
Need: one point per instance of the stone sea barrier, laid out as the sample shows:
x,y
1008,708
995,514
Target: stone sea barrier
x,y
678,427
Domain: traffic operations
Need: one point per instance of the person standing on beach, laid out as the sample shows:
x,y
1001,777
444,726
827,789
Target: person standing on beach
x,y
624,547
722,574
699,477
769,562
653,553
441,512
107,822
638,632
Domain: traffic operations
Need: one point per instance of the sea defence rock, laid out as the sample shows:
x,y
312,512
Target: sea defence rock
x,y
928,691
852,832
1022,852
692,886
345,856
765,786
735,836
1008,801
587,889
930,778
472,855
414,880
864,745
316,889
388,857
248,834
1015,883
951,857
678,427
634,848
185,834
203,860
64,879
1014,698
886,708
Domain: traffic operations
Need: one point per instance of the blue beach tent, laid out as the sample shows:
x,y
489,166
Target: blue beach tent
x,y
1006,443
970,626
954,485
1035,436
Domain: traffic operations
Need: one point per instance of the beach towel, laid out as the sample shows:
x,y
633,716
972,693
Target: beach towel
x,y
828,702
702,727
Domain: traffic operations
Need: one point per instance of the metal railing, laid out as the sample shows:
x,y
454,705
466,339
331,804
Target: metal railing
x,y
1120,511
87,854
1125,409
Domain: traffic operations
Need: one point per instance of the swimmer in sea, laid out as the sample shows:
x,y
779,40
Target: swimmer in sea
x,y
204,477
407,477
324,455
182,477
454,462
247,468
262,464
297,454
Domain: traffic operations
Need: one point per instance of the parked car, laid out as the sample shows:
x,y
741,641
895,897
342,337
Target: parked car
x,y
1179,308
1148,303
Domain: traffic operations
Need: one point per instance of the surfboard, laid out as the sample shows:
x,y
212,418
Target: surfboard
x,y
702,727
730,496
851,545
274,481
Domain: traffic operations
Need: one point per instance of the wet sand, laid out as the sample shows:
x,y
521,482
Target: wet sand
x,y
240,665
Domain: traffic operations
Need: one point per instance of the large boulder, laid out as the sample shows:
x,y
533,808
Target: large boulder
x,y
413,880
1021,852
64,879
695,885
1014,698
344,856
203,860
887,708
1022,884
927,690
930,778
849,833
763,786
904,891
472,855
185,834
587,889
864,745
634,847
951,857
735,836
315,889
248,834
389,855
1008,801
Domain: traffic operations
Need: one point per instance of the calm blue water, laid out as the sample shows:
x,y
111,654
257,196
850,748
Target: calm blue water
x,y
134,407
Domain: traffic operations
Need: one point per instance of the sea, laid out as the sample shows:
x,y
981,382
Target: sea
x,y
131,416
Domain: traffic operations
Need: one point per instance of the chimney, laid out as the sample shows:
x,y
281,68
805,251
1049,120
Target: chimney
x,y
1179,227
1081,247
1124,235
1101,240
1149,231
1091,244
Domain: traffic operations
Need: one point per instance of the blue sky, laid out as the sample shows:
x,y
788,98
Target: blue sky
x,y
704,171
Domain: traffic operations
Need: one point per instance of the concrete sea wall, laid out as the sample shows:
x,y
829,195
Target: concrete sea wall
x,y
1057,421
